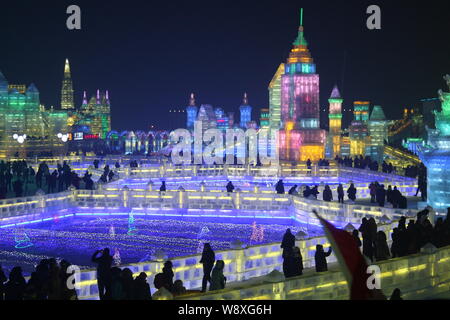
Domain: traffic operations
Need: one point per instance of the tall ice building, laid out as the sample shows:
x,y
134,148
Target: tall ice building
x,y
294,104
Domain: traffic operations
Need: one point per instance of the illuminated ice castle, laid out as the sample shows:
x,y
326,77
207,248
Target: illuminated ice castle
x,y
436,155
294,104
211,117
94,115
26,127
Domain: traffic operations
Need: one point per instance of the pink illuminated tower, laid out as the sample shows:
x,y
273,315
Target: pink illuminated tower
x,y
301,138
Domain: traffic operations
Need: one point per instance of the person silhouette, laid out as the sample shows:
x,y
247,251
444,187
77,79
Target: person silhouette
x,y
104,278
208,258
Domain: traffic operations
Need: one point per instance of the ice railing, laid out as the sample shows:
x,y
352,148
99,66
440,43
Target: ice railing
x,y
205,203
240,264
419,276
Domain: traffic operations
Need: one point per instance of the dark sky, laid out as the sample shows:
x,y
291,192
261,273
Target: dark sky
x,y
152,54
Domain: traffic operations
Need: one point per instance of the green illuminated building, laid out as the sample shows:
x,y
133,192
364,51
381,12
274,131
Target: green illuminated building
x,y
264,120
96,114
26,128
378,133
275,98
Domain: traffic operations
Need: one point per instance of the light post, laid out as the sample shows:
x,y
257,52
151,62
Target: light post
x,y
20,138
63,137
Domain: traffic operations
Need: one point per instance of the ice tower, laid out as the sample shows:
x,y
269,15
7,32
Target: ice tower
x,y
436,156
298,101
358,130
245,112
67,101
335,117
378,132
191,111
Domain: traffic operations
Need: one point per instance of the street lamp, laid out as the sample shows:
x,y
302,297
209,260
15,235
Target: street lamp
x,y
20,138
63,137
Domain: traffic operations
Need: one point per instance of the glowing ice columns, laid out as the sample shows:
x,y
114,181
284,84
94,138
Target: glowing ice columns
x,y
436,156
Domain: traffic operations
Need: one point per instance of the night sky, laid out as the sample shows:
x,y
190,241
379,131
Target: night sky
x,y
151,54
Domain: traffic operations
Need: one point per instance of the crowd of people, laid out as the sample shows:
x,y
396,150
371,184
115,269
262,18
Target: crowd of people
x,y
363,163
293,260
49,281
406,239
22,179
118,284
15,177
107,175
380,195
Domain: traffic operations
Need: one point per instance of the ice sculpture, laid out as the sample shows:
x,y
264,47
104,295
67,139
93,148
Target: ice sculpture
x,y
436,155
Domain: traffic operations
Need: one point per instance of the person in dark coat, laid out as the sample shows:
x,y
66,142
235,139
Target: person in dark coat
x,y
395,246
351,192
340,192
218,280
367,242
104,279
208,259
31,174
288,262
168,275
327,194
18,188
288,241
126,276
389,195
373,192
307,192
381,195
178,288
116,284
396,197
315,191
403,203
321,258
230,187
287,244
15,287
381,247
293,190
110,175
402,224
279,187
297,262
163,187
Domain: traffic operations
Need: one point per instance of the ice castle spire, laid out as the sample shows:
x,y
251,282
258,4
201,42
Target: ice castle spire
x,y
85,102
245,100
301,35
192,100
67,101
335,94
